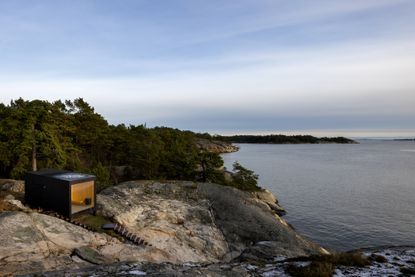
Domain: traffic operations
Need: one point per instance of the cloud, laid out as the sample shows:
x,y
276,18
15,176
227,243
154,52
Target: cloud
x,y
230,66
342,79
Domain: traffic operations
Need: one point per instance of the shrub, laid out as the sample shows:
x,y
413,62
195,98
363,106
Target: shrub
x,y
244,178
103,176
324,265
349,259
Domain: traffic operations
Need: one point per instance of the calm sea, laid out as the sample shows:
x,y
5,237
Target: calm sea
x,y
341,196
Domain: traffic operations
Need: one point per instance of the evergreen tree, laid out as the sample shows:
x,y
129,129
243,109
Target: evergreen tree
x,y
244,178
209,163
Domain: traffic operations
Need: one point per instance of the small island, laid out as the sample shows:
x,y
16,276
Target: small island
x,y
405,139
283,139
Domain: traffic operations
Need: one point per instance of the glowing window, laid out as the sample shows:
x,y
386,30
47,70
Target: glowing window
x,y
82,196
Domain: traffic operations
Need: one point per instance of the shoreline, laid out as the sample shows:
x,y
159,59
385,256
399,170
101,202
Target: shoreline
x,y
257,254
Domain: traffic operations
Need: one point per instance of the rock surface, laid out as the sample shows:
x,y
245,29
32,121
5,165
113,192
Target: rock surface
x,y
216,146
184,221
267,197
398,261
170,216
12,185
200,222
32,242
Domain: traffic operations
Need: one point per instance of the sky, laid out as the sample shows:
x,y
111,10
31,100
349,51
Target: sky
x,y
324,67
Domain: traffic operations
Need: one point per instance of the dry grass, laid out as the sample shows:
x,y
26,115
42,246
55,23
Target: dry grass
x,y
95,222
378,258
324,265
346,259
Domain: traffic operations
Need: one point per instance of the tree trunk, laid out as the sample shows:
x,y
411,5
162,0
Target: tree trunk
x,y
34,161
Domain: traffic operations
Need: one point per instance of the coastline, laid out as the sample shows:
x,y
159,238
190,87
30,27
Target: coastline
x,y
183,207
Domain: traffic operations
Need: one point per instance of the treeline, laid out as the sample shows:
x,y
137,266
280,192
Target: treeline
x,y
71,135
281,139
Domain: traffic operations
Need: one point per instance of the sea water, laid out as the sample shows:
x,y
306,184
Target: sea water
x,y
342,196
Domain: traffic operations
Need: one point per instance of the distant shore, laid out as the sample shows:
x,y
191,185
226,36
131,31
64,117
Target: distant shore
x,y
283,139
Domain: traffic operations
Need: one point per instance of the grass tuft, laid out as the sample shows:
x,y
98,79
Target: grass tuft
x,y
324,265
95,222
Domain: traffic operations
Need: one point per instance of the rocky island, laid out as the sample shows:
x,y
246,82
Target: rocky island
x,y
284,139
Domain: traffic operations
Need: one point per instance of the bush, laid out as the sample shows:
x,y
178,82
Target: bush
x,y
103,176
324,265
244,178
349,259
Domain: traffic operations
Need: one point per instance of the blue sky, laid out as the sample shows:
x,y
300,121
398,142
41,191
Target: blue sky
x,y
321,67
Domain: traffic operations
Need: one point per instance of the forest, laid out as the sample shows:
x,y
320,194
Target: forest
x,y
71,135
282,139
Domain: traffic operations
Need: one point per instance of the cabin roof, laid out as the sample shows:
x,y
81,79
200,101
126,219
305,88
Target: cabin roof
x,y
63,175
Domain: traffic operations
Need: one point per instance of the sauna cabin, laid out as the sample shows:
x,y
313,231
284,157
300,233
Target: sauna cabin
x,y
64,192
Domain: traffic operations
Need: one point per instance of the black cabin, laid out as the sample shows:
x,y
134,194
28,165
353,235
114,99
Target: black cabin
x,y
64,192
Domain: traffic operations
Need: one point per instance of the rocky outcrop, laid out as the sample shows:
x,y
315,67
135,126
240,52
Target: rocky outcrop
x,y
200,222
184,222
170,216
267,197
216,146
246,220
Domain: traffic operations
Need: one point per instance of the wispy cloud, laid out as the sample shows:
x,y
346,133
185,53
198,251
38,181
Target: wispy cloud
x,y
231,65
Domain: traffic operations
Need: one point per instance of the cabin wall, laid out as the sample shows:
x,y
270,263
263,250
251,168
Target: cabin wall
x,y
48,194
